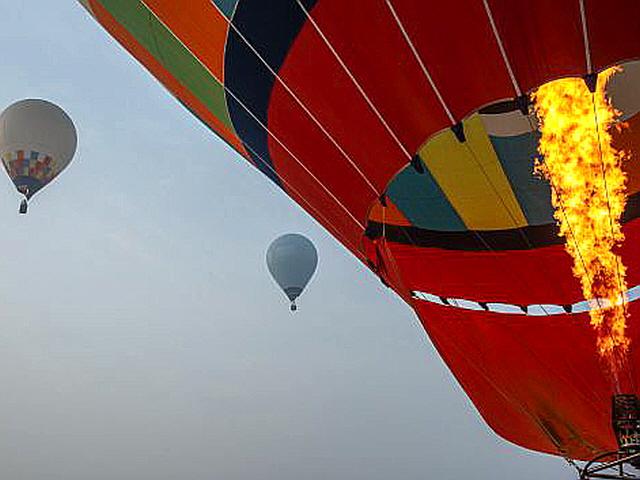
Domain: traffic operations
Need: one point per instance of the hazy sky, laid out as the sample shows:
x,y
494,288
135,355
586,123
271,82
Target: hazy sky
x,y
142,337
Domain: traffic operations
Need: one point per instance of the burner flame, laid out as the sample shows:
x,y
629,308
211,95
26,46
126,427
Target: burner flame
x,y
589,197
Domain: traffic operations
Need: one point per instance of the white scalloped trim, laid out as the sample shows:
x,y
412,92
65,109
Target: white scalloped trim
x,y
534,310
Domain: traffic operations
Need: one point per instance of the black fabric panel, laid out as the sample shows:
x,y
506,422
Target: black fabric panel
x,y
538,236
270,27
500,107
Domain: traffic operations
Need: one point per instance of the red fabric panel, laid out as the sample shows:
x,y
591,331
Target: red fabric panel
x,y
537,381
458,47
520,277
304,139
316,201
367,39
614,31
542,38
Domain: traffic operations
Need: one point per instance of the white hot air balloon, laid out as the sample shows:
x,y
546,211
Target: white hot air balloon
x,y
37,142
292,261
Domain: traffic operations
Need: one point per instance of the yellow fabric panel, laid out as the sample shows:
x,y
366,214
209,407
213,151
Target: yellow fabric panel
x,y
484,200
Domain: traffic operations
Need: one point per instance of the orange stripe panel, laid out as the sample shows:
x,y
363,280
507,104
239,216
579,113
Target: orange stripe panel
x,y
391,215
200,26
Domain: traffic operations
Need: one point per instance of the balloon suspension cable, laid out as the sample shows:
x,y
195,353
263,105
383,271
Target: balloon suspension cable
x,y
603,168
623,464
24,204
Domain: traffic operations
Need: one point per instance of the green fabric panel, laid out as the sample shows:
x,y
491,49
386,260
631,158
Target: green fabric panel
x,y
420,199
167,49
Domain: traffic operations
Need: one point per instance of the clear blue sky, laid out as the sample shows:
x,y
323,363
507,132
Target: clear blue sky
x,y
141,335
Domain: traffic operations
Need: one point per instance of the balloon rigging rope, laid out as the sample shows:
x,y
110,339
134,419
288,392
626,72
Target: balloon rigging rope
x,y
606,188
503,52
416,55
585,37
353,79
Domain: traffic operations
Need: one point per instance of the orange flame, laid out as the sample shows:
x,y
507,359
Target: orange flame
x,y
589,197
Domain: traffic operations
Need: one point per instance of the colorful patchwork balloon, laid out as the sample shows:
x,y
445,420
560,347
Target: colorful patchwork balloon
x,y
37,142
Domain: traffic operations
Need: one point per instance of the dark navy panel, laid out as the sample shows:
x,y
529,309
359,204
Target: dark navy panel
x,y
271,28
251,83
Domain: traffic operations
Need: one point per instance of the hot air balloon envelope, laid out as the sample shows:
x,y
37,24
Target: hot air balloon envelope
x,y
37,142
424,104
292,261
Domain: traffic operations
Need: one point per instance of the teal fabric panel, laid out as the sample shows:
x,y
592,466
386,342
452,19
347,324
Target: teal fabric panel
x,y
227,6
421,200
517,155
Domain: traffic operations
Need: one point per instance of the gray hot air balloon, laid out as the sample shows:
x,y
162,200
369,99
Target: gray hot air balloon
x,y
37,142
292,261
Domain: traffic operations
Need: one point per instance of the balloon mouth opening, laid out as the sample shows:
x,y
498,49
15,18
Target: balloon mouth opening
x,y
27,186
292,293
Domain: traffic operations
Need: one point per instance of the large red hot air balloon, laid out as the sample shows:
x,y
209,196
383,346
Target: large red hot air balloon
x,y
402,126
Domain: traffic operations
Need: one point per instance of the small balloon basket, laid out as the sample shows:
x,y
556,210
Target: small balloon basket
x,y
624,463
